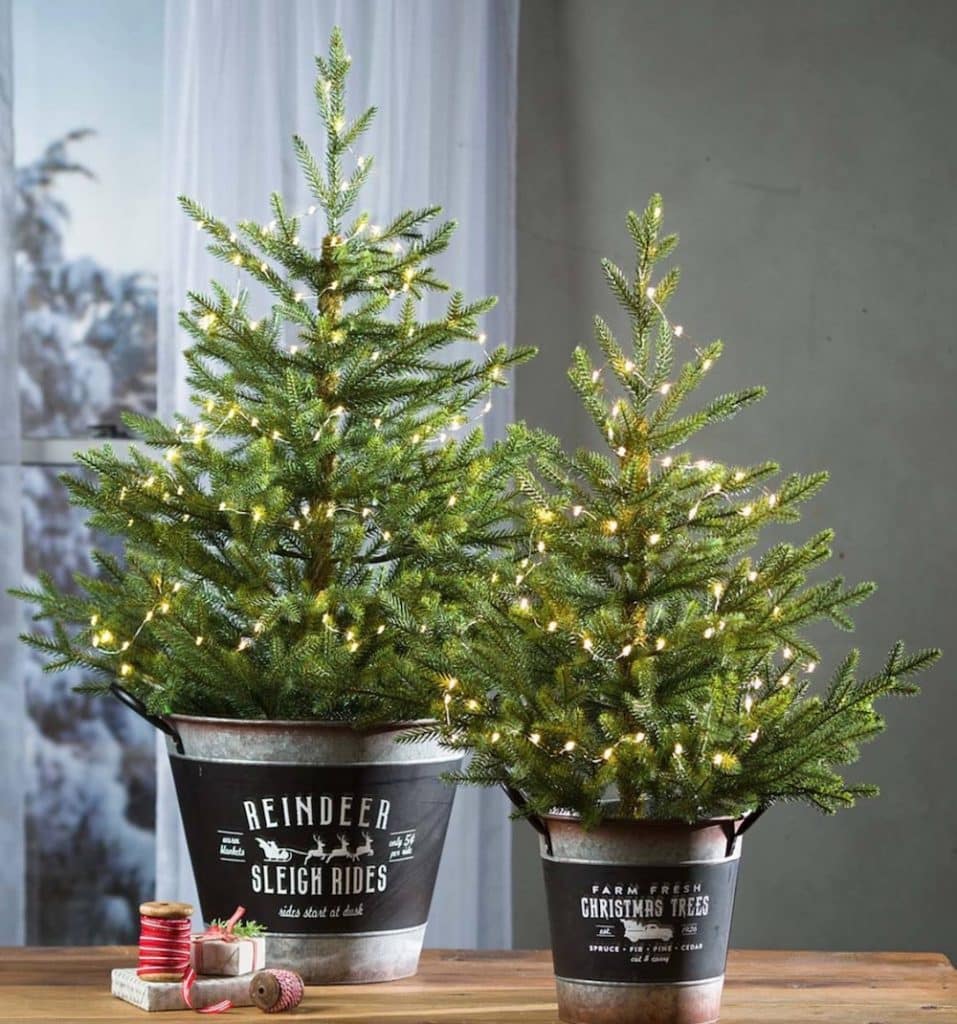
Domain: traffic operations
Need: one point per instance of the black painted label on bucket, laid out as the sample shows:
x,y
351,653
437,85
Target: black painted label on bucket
x,y
642,924
317,850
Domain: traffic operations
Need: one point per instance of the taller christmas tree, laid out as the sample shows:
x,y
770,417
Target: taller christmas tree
x,y
321,515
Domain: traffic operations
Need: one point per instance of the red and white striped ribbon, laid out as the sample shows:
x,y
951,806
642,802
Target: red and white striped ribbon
x,y
165,949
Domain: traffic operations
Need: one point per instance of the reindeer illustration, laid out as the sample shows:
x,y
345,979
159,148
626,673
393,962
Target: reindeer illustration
x,y
318,851
342,850
364,849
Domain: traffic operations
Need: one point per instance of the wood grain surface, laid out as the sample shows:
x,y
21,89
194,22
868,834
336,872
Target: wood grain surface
x,y
72,984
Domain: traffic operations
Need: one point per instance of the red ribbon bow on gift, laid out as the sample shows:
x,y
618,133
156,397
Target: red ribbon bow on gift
x,y
223,933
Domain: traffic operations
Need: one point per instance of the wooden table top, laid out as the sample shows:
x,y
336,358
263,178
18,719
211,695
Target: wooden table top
x,y
72,984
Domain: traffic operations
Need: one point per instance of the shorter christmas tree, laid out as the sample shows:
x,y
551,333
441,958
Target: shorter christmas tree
x,y
635,649
324,514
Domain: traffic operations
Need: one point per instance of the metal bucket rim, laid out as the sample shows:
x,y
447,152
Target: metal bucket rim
x,y
570,816
301,723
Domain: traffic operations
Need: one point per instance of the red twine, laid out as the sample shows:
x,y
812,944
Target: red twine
x,y
290,990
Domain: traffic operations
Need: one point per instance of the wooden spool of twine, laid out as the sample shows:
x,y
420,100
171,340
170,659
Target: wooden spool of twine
x,y
275,990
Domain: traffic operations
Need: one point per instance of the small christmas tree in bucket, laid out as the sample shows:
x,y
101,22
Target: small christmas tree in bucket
x,y
290,554
640,684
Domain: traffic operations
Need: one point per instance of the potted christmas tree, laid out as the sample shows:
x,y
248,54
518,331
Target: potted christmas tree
x,y
289,552
641,683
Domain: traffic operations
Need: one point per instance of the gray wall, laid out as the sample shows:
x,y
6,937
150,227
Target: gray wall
x,y
808,157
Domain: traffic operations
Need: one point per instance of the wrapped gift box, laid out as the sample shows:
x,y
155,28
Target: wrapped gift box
x,y
227,957
168,995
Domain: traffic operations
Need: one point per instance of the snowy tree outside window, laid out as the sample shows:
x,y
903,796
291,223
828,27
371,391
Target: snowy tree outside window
x,y
87,298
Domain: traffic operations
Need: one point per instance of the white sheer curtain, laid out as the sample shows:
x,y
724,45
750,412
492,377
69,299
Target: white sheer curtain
x,y
12,881
239,78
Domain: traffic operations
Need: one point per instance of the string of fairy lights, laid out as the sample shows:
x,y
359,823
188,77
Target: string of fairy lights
x,y
610,527
102,637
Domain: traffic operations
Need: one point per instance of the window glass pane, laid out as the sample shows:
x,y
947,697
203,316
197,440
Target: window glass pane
x,y
87,96
87,103
90,778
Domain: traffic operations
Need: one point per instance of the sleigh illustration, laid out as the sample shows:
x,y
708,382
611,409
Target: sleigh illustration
x,y
273,852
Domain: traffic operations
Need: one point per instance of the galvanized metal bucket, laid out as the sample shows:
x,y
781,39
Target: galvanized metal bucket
x,y
327,835
640,914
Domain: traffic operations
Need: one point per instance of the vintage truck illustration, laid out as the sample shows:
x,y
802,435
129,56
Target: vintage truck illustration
x,y
640,931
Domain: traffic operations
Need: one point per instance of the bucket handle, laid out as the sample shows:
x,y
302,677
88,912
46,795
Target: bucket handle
x,y
518,799
137,706
733,832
